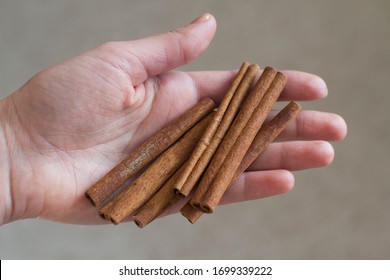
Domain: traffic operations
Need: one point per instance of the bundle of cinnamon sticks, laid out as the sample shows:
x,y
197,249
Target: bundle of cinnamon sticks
x,y
198,155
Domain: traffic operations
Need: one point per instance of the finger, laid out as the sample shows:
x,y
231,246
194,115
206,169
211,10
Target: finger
x,y
300,86
153,55
303,86
313,125
259,184
296,155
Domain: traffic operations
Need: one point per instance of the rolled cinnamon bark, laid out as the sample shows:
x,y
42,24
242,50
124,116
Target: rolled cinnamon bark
x,y
268,134
158,203
219,124
147,151
226,173
264,137
231,136
191,213
154,177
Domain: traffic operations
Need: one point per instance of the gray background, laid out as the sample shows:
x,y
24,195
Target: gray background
x,y
339,212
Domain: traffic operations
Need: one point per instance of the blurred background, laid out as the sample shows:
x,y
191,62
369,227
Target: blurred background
x,y
338,212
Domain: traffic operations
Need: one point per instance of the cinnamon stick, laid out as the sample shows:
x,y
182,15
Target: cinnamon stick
x,y
154,177
158,203
234,131
191,213
240,147
268,134
264,137
147,152
220,124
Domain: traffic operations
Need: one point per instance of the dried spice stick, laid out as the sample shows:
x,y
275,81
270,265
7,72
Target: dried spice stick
x,y
147,152
242,79
268,134
234,131
221,123
154,177
240,147
158,203
264,137
191,213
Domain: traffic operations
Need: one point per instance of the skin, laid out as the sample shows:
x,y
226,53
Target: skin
x,y
71,123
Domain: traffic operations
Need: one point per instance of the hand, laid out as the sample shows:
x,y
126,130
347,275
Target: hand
x,y
71,123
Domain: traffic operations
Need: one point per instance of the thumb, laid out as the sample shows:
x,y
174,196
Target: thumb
x,y
157,54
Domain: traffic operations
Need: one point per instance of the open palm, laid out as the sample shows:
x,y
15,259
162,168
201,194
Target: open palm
x,y
73,122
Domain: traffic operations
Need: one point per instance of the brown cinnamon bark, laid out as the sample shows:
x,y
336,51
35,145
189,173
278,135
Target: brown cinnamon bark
x,y
268,134
240,147
158,203
234,131
264,137
220,124
147,152
191,213
154,177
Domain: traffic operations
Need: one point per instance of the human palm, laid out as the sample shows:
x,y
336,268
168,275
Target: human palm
x,y
73,122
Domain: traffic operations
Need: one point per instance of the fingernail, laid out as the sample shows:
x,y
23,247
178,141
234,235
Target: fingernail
x,y
203,18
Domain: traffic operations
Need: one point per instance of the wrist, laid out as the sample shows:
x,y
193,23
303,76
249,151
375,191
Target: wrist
x,y
5,170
